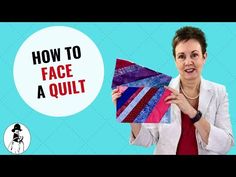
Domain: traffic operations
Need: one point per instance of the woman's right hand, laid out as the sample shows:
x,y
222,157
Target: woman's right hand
x,y
115,95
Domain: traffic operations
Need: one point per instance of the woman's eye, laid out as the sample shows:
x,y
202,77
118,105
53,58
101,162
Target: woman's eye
x,y
194,55
181,57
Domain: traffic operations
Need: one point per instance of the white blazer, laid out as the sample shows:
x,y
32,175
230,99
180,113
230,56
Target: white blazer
x,y
213,103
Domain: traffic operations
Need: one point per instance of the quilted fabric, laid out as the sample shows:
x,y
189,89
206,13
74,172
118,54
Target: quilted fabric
x,y
143,94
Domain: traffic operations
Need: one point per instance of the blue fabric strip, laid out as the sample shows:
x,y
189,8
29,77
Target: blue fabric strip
x,y
144,113
125,96
166,118
132,105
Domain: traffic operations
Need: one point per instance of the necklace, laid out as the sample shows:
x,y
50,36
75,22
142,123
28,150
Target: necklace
x,y
191,98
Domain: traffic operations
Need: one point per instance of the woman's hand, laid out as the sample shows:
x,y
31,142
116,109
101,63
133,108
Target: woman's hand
x,y
180,100
115,95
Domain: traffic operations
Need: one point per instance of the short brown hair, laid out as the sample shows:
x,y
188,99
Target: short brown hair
x,y
186,33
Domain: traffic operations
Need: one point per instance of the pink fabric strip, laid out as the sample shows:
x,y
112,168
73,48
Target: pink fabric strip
x,y
121,89
159,110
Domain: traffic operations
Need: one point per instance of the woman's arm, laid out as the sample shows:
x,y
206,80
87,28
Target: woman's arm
x,y
216,137
221,137
202,126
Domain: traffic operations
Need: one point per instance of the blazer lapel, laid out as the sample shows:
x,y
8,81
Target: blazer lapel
x,y
205,96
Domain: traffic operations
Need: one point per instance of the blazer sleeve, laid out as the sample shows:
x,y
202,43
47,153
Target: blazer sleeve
x,y
221,137
147,136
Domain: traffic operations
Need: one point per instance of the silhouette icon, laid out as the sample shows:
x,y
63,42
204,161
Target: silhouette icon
x,y
16,145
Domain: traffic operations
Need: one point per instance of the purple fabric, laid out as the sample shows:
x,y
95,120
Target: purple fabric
x,y
133,76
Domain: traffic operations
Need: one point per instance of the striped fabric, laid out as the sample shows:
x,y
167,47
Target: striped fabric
x,y
143,94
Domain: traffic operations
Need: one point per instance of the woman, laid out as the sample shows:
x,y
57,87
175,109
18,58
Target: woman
x,y
200,120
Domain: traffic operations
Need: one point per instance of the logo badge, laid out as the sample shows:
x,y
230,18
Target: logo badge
x,y
17,138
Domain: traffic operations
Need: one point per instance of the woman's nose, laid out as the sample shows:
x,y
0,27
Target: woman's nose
x,y
188,61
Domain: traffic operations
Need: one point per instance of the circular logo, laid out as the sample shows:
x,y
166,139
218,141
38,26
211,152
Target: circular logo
x,y
58,71
17,138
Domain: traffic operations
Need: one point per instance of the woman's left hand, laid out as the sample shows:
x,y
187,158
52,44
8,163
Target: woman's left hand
x,y
180,100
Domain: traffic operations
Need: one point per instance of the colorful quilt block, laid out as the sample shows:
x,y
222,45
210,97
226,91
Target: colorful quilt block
x,y
143,94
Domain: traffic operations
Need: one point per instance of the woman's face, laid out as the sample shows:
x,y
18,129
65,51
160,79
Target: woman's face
x,y
189,59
